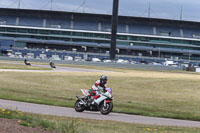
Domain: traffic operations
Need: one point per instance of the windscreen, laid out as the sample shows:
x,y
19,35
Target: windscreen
x,y
109,90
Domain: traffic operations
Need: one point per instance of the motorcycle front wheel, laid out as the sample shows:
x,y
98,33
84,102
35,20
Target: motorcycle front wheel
x,y
106,109
78,106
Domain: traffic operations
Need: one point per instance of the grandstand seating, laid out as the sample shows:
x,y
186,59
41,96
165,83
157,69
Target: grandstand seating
x,y
58,23
30,21
85,25
168,31
105,27
7,20
141,29
121,28
6,44
93,25
49,54
191,33
96,42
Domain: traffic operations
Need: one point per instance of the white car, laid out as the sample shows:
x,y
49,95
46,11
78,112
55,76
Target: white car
x,y
133,62
96,60
126,62
120,61
107,61
55,57
68,58
78,58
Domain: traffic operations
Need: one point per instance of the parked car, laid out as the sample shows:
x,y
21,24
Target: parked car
x,y
96,60
78,58
133,62
120,61
107,61
55,57
157,64
68,58
143,62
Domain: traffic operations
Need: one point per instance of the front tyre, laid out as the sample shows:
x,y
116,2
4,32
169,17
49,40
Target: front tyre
x,y
106,109
78,106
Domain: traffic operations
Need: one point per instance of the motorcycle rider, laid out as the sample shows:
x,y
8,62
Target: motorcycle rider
x,y
99,85
52,65
27,62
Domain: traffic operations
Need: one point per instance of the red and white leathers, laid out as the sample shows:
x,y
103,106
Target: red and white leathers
x,y
98,86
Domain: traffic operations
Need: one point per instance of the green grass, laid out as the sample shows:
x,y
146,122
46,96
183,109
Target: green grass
x,y
142,92
21,67
78,125
149,93
45,122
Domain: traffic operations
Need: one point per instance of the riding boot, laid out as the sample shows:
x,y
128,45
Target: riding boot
x,y
90,100
96,105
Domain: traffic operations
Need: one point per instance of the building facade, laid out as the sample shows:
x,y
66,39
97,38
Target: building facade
x,y
40,32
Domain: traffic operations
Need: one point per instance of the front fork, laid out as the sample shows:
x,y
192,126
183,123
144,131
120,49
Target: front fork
x,y
104,103
81,100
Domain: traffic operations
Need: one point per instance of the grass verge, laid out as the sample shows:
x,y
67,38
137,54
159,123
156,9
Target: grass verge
x,y
78,125
162,94
149,93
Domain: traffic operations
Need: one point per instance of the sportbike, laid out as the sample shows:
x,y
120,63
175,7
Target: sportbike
x,y
101,102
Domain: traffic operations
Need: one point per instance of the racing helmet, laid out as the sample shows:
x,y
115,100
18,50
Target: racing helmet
x,y
103,79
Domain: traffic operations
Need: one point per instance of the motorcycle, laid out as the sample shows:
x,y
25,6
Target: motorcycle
x,y
101,102
52,65
27,62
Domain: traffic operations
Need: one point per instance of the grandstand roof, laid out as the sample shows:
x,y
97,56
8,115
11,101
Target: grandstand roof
x,y
97,17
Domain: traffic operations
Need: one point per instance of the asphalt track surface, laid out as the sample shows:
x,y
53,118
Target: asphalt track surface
x,y
70,112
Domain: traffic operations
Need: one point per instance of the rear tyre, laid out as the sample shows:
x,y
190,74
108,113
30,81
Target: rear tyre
x,y
78,106
106,109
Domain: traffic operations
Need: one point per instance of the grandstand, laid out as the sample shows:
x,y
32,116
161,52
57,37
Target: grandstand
x,y
70,33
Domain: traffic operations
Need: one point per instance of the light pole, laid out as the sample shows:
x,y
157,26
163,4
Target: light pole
x,y
114,29
189,56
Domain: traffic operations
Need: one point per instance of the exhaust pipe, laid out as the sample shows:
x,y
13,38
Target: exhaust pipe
x,y
81,100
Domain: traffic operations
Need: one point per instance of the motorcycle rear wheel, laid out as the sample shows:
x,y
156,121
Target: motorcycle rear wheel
x,y
107,109
79,107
